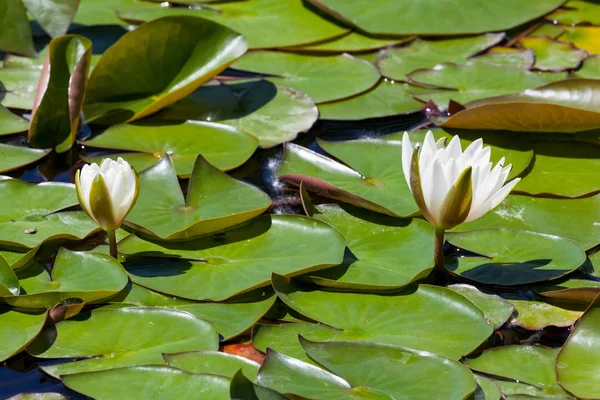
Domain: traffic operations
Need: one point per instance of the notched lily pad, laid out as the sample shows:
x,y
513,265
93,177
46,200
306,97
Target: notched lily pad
x,y
14,157
18,329
552,55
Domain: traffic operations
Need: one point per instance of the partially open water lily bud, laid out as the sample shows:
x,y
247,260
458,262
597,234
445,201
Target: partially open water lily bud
x,y
107,192
452,186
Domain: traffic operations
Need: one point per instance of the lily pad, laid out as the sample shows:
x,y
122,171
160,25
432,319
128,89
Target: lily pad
x,y
18,329
130,336
508,257
129,83
548,29
70,279
570,163
370,178
18,86
27,222
496,309
236,261
584,37
212,362
9,283
465,326
265,24
447,18
386,99
152,382
59,97
528,364
575,12
54,16
486,389
241,388
15,157
536,315
223,146
385,252
104,12
517,59
471,81
564,106
396,63
576,365
582,290
38,396
323,78
11,123
590,68
212,202
351,42
16,33
567,218
272,113
231,318
551,55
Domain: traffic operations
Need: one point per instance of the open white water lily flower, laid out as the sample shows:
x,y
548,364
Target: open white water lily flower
x,y
107,192
452,186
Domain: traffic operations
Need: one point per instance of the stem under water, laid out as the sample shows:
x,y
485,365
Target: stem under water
x,y
112,241
438,257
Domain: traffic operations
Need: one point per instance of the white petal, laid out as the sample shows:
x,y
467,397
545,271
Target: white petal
x,y
492,202
428,150
439,191
453,150
474,148
407,154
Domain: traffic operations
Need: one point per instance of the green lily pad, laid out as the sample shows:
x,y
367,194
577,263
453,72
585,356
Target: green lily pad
x,y
386,99
70,279
11,123
350,43
27,222
552,55
231,318
528,364
223,146
54,16
18,258
38,396
323,78
576,12
568,218
370,178
386,253
129,83
241,388
536,315
105,12
9,283
560,162
465,326
396,63
264,23
151,382
582,290
576,364
584,37
212,202
471,81
447,18
486,390
15,157
212,362
59,97
496,309
18,329
385,372
130,336
236,261
509,257
548,29
590,69
565,106
517,59
522,391
16,33
272,113
18,86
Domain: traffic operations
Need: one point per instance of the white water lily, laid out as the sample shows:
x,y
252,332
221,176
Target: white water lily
x,y
107,193
452,186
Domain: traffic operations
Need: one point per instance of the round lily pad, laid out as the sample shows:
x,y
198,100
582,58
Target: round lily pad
x,y
236,261
243,389
496,309
590,68
272,113
18,86
535,315
11,123
577,368
423,307
443,18
14,157
323,78
567,218
517,59
130,336
584,37
221,145
575,12
551,55
211,203
397,62
351,42
18,329
385,252
212,362
509,257
70,279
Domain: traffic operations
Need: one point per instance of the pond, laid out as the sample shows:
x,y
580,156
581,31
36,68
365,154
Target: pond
x,y
269,230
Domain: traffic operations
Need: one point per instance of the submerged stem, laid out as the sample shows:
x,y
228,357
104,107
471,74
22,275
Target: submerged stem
x,y
438,256
112,241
